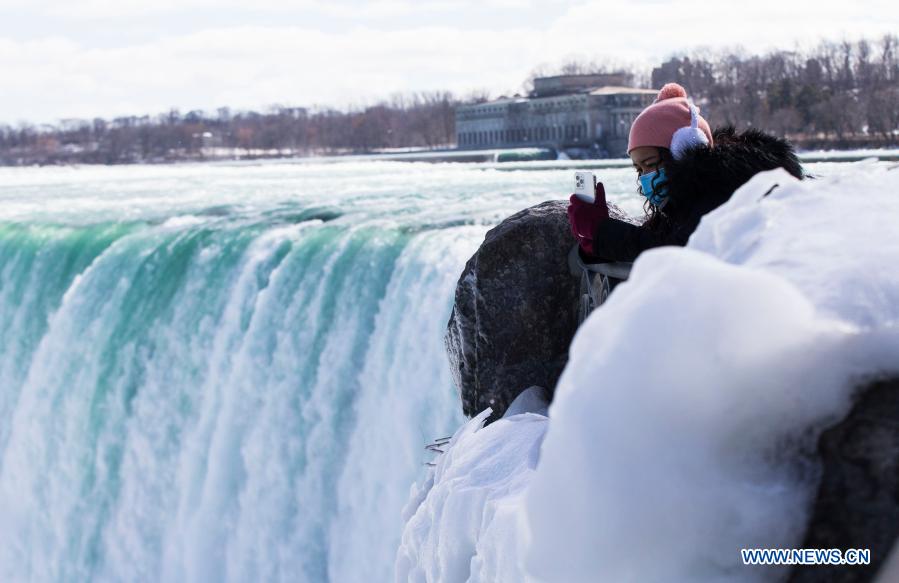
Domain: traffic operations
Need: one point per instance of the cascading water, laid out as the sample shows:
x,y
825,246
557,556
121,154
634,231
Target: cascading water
x,y
208,402
229,372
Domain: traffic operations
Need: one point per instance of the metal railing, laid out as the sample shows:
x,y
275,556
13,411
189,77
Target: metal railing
x,y
597,281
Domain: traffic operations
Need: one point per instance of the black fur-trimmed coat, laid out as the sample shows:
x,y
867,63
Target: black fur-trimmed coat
x,y
701,181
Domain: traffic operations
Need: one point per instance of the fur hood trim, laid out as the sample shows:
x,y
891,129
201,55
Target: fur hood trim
x,y
711,175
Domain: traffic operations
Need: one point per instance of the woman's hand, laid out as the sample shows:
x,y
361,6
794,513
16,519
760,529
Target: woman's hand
x,y
585,217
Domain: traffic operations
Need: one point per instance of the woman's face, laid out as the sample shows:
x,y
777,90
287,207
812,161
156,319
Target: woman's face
x,y
646,159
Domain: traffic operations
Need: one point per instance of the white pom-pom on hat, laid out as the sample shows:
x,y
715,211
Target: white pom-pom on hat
x,y
688,137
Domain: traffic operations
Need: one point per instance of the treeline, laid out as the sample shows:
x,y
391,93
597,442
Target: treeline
x,y
423,120
837,95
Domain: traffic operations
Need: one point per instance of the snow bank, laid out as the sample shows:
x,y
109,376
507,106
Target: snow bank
x,y
464,523
683,426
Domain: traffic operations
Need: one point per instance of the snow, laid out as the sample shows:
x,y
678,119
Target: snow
x,y
843,155
684,427
463,523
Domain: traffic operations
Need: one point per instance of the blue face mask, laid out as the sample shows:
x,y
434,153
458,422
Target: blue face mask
x,y
657,194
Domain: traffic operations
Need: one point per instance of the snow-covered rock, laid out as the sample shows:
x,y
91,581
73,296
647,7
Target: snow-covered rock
x,y
857,505
684,425
465,522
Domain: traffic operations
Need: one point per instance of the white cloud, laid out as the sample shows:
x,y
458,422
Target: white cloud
x,y
303,64
250,67
657,29
106,10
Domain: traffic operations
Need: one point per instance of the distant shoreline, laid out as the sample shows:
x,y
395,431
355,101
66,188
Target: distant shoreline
x,y
538,157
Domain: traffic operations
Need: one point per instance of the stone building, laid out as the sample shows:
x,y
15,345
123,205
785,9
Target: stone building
x,y
563,112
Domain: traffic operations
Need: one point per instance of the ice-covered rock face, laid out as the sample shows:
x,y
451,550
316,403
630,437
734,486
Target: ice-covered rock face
x,y
465,522
515,310
684,425
704,381
856,506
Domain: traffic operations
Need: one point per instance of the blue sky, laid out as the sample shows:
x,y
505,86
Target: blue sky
x,y
85,58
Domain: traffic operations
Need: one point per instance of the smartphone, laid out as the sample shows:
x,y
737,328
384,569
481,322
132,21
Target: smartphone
x,y
585,186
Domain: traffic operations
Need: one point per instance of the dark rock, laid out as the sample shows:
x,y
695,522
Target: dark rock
x,y
857,506
515,310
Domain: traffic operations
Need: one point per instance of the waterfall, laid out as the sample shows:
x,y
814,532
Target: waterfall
x,y
209,399
228,372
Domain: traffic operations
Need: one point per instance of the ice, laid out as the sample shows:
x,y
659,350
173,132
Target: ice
x,y
684,427
463,523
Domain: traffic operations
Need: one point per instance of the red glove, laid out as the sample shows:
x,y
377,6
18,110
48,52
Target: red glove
x,y
585,217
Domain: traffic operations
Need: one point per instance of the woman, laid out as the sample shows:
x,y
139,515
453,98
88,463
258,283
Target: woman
x,y
684,171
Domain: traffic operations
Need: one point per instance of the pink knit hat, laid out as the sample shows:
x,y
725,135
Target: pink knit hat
x,y
670,122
